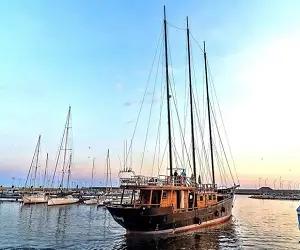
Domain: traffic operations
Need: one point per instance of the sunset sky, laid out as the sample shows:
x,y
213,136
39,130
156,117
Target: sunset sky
x,y
96,56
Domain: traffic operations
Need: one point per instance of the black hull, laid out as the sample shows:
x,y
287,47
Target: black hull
x,y
164,220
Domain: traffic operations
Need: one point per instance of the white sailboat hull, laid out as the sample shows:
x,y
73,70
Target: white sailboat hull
x,y
34,199
62,201
91,201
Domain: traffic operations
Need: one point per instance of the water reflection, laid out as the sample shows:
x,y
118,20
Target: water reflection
x,y
61,225
211,238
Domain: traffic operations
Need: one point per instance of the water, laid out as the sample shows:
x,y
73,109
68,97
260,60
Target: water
x,y
256,224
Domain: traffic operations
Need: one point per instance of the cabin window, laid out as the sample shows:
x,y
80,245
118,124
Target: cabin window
x,y
209,197
201,198
164,195
214,197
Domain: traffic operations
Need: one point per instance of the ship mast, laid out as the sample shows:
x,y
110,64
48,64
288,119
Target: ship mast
x,y
69,171
35,160
209,120
93,169
168,93
45,172
191,100
63,147
108,173
67,128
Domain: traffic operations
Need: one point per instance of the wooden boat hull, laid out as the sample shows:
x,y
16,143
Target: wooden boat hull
x,y
62,201
32,199
145,220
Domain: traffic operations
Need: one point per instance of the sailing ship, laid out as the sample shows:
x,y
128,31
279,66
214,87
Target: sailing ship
x,y
35,197
175,203
64,197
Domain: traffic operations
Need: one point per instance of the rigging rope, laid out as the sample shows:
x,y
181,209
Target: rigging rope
x,y
176,109
150,115
143,99
222,120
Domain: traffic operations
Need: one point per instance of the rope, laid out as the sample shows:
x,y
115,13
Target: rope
x,y
175,105
223,125
150,115
143,99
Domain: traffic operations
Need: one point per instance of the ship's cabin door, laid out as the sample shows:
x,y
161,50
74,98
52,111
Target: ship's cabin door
x,y
145,196
156,196
178,198
191,200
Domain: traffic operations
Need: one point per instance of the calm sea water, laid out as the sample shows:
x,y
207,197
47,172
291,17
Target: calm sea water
x,y
256,224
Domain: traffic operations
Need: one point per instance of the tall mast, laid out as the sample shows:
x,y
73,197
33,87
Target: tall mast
x,y
30,173
93,168
45,172
168,94
69,170
37,159
209,120
191,99
61,145
107,169
66,146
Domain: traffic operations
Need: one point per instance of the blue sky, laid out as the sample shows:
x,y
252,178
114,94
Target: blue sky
x,y
96,55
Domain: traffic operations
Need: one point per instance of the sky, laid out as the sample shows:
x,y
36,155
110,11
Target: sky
x,y
96,57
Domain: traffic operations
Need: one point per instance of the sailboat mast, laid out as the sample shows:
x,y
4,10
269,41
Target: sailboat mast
x,y
66,145
69,171
107,162
191,100
209,119
37,159
45,172
60,148
30,173
93,169
168,94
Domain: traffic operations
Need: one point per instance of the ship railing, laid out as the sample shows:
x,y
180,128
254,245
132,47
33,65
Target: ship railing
x,y
207,187
152,205
161,180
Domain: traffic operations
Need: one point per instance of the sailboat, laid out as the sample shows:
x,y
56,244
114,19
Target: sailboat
x,y
37,196
175,203
64,197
